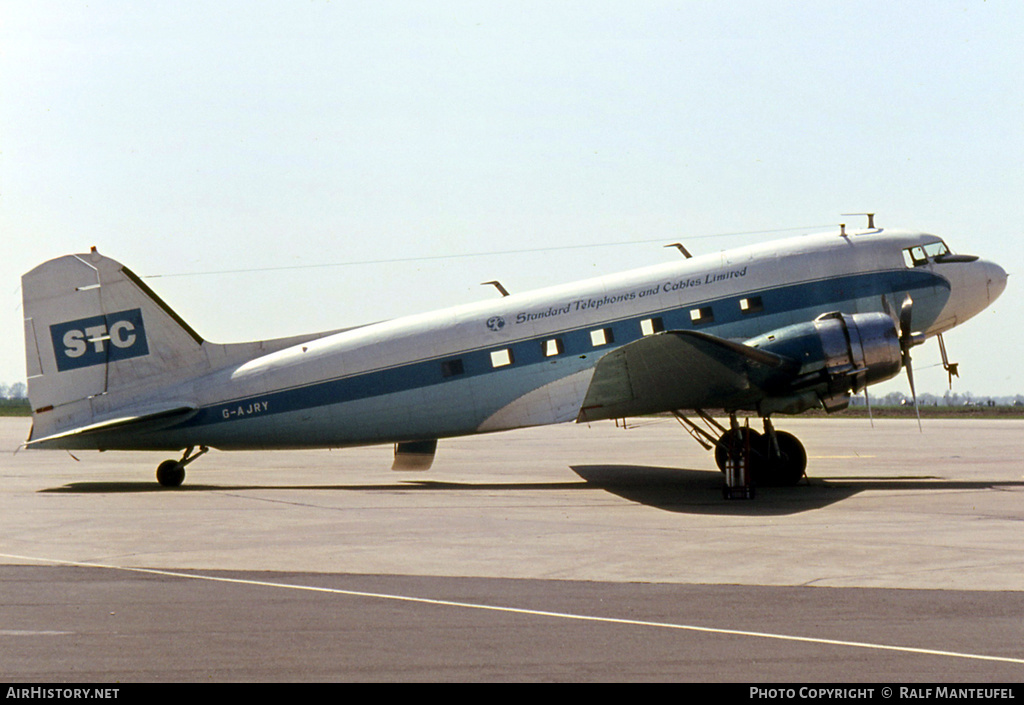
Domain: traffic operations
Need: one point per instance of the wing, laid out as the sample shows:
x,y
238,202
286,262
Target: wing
x,y
683,370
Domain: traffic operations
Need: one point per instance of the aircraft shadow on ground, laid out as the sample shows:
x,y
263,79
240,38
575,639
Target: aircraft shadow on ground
x,y
404,485
700,491
679,490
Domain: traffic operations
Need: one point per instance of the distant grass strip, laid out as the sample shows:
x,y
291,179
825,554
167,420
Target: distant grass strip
x,y
15,407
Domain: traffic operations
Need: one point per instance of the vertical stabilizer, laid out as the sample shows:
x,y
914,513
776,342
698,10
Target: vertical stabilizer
x,y
97,338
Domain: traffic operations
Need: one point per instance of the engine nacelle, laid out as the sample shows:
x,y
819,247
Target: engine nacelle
x,y
839,354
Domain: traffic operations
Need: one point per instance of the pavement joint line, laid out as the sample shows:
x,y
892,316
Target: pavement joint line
x,y
524,611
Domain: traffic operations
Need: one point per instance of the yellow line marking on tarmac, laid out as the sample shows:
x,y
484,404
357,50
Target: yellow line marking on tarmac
x,y
839,457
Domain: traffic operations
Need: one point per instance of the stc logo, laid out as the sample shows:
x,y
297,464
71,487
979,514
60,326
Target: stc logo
x,y
98,340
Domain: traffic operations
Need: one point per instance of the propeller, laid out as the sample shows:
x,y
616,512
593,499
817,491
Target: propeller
x,y
906,342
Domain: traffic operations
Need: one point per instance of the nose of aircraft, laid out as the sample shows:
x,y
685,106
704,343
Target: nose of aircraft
x,y
996,276
974,285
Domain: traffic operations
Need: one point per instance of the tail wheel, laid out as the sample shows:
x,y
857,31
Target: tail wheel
x,y
170,473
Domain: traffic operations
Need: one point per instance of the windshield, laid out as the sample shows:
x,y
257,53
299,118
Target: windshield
x,y
922,254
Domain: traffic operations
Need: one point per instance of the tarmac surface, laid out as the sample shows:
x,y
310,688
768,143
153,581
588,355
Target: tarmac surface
x,y
566,553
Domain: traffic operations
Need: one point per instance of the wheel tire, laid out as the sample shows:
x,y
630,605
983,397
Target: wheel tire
x,y
170,473
787,469
741,437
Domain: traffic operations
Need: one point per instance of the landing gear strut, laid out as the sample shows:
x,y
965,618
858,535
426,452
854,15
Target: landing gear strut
x,y
171,473
736,445
773,458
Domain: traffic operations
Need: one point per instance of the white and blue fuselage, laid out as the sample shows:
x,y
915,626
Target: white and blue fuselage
x,y
521,360
527,359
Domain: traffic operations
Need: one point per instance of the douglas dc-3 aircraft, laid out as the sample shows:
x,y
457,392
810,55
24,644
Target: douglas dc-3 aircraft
x,y
773,328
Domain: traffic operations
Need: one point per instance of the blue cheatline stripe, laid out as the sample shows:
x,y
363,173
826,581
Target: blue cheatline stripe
x,y
778,301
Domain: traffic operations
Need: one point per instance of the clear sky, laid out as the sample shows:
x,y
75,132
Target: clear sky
x,y
198,138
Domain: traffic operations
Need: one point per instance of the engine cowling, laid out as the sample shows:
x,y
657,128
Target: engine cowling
x,y
839,355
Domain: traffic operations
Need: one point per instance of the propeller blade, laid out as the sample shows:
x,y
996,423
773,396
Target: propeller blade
x,y
906,341
913,392
906,311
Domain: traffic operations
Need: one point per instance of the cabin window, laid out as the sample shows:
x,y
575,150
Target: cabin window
x,y
451,368
650,326
601,336
751,304
699,316
552,347
501,358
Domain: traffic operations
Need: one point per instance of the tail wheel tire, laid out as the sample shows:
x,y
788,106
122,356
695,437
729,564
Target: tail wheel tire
x,y
170,473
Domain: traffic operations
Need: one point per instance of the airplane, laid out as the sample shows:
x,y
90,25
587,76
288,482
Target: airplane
x,y
773,328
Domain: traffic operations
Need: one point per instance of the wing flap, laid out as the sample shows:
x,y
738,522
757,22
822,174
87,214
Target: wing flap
x,y
681,370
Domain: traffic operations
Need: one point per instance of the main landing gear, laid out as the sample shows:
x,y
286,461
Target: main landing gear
x,y
772,458
171,473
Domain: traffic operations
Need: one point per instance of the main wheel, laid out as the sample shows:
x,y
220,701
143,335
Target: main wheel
x,y
740,438
786,468
170,473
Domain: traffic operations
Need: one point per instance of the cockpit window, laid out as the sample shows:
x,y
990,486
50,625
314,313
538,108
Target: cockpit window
x,y
921,254
914,256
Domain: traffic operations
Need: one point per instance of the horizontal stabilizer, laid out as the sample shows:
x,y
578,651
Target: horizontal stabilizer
x,y
85,436
681,370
